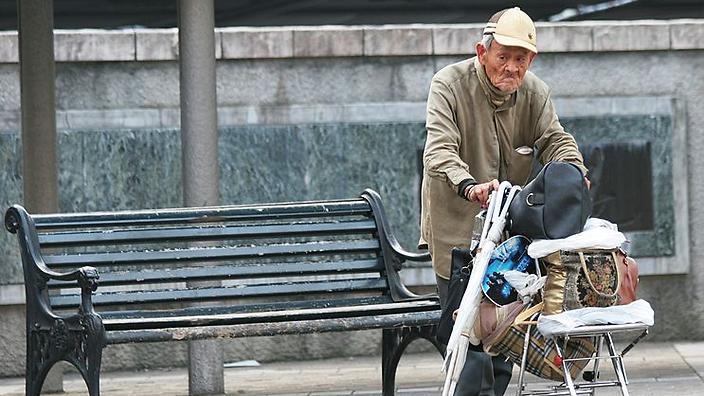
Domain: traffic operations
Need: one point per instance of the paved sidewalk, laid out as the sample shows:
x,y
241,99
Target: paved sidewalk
x,y
657,369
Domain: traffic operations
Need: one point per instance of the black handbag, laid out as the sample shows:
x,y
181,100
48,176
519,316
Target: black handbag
x,y
554,205
459,276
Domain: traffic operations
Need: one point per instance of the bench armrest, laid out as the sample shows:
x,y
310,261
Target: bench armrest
x,y
87,277
409,256
37,273
394,254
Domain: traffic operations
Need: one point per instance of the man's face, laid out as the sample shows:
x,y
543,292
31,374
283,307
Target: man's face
x,y
505,66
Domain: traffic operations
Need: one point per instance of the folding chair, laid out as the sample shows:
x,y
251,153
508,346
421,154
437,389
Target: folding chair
x,y
600,334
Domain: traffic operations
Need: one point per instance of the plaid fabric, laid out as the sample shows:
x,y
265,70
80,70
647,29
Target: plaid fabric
x,y
543,359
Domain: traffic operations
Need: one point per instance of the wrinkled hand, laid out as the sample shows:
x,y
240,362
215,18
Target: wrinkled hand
x,y
480,192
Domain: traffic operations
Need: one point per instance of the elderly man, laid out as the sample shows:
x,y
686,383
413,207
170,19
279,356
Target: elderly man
x,y
487,118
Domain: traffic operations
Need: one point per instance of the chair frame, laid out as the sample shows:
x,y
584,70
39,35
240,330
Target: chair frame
x,y
600,334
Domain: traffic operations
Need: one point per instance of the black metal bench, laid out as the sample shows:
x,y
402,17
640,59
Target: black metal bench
x,y
95,279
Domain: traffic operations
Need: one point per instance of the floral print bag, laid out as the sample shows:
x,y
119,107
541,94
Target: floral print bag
x,y
578,279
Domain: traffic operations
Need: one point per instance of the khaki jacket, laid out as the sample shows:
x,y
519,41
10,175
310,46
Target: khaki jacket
x,y
470,138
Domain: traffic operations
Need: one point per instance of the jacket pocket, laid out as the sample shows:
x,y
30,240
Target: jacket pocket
x,y
521,165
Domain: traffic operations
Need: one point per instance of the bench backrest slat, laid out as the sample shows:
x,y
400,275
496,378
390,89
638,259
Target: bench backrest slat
x,y
273,270
200,254
217,293
258,212
204,233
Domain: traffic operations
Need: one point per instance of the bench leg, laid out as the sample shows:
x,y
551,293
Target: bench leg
x,y
80,344
393,344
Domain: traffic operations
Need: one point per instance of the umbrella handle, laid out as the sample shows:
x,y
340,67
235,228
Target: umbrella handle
x,y
494,209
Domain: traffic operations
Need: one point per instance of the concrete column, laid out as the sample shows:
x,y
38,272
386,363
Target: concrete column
x,y
199,148
37,85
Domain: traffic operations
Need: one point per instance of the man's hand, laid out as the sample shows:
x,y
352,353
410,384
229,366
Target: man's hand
x,y
480,192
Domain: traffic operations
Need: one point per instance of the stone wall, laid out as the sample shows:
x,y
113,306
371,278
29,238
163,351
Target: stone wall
x,y
291,101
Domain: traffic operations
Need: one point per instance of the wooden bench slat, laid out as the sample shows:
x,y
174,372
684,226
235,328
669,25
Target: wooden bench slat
x,y
408,319
271,317
230,272
322,302
149,235
218,253
204,294
203,215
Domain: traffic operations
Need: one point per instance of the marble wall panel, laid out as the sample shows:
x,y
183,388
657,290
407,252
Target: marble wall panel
x,y
141,168
10,193
659,241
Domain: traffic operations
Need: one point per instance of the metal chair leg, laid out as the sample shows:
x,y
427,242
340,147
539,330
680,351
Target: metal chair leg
x,y
617,362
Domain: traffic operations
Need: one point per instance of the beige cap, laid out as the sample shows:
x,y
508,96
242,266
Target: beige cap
x,y
513,27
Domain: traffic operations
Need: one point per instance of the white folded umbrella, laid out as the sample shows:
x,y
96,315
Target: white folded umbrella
x,y
458,344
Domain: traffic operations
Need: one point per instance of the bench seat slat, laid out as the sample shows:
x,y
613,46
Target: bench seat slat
x,y
205,293
323,302
204,214
397,320
218,253
270,317
148,235
230,272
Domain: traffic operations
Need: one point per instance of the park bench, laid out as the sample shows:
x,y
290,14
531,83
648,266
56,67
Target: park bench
x,y
102,278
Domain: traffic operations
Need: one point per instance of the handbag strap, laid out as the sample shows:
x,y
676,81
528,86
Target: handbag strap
x,y
522,318
586,275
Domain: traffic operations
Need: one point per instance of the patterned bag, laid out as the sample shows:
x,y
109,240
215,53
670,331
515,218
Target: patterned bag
x,y
542,357
578,279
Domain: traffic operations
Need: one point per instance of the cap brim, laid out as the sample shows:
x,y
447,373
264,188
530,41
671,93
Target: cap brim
x,y
514,42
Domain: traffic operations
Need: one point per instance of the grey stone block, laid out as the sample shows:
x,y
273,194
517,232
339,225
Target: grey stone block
x,y
565,37
398,40
162,44
10,120
230,115
252,43
456,39
9,49
328,41
631,36
117,85
94,45
170,117
10,87
687,34
12,294
156,44
122,118
323,81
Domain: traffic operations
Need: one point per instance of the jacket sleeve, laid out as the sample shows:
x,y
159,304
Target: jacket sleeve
x,y
552,141
441,157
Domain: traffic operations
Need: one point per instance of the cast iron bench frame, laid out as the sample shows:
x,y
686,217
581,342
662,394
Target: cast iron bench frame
x,y
340,249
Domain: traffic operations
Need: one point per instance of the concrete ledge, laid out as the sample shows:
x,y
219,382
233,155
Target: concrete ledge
x,y
156,44
328,41
94,45
91,45
252,43
565,37
455,39
162,44
9,47
687,34
394,40
12,294
623,36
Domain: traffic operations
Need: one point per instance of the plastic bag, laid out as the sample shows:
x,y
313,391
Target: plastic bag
x,y
638,311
